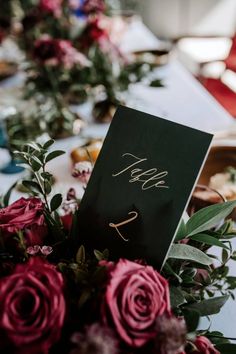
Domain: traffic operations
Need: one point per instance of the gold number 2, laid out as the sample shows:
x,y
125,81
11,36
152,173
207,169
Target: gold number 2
x,y
135,215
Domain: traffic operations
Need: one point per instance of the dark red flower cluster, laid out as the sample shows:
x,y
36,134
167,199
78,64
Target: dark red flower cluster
x,y
53,7
54,52
93,33
93,7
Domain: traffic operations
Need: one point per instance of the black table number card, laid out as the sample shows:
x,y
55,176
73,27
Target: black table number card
x,y
140,186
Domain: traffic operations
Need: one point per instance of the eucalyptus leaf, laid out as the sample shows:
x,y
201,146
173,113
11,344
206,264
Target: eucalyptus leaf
x,y
33,146
55,201
48,144
31,185
176,297
191,318
209,306
225,256
181,232
47,187
208,240
52,155
209,217
35,165
186,252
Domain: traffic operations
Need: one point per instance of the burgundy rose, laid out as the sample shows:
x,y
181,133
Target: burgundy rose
x,y
204,346
93,33
24,215
55,52
45,49
53,7
135,296
93,6
32,306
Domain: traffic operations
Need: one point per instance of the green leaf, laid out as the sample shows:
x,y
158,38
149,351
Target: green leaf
x,y
176,297
33,146
224,256
98,255
80,255
208,240
169,270
48,144
181,232
191,318
233,256
226,348
55,201
35,164
156,83
52,155
46,175
185,252
47,187
209,217
31,185
7,196
209,306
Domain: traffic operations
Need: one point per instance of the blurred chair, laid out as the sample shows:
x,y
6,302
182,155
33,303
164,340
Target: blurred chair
x,y
223,88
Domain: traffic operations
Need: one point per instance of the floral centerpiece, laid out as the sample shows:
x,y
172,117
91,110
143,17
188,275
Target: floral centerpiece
x,y
57,298
71,59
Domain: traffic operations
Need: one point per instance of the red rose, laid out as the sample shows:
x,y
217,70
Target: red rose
x,y
93,33
93,6
45,49
32,306
24,215
204,346
135,296
51,6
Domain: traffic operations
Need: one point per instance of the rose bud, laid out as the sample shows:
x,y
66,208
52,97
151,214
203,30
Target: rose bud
x,y
204,346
